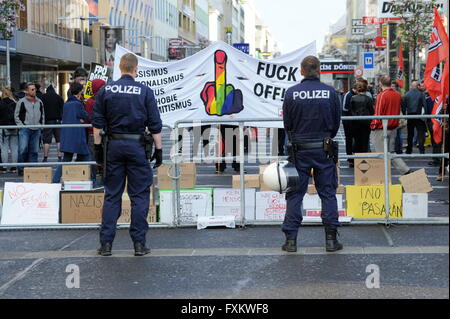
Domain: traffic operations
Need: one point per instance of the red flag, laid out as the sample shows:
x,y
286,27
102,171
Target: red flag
x,y
438,104
400,67
437,52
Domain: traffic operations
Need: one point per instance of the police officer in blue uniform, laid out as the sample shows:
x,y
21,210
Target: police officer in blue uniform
x,y
125,110
312,115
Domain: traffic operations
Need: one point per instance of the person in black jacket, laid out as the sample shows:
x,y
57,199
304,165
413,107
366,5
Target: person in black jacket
x,y
414,102
9,138
361,105
53,108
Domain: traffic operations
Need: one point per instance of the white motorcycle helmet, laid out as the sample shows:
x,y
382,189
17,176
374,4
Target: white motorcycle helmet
x,y
281,177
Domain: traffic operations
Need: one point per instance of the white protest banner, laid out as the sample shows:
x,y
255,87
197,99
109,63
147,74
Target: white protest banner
x,y
30,203
220,82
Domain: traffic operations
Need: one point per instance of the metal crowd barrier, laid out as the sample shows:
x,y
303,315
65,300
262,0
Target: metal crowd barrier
x,y
177,159
387,156
40,164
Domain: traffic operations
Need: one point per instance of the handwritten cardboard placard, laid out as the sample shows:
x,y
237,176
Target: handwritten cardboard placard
x,y
368,201
194,203
227,201
270,206
30,203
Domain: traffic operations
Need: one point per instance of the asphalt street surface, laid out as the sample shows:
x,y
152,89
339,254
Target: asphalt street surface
x,y
228,263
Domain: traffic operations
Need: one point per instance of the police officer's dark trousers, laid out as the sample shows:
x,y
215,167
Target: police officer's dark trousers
x,y
325,178
126,158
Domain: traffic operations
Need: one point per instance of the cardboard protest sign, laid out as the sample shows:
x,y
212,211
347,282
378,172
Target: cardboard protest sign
x,y
30,203
369,202
98,71
193,202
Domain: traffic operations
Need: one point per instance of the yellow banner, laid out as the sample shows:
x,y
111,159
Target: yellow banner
x,y
368,201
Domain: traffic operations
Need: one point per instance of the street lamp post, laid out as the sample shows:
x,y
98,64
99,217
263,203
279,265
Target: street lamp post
x,y
82,19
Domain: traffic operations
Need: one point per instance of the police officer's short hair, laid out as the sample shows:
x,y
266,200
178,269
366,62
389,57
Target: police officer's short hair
x,y
75,88
128,63
311,66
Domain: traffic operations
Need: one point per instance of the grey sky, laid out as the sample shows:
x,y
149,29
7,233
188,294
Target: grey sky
x,y
295,23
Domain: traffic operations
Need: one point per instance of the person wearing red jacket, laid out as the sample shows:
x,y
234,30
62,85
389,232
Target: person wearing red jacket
x,y
97,84
388,103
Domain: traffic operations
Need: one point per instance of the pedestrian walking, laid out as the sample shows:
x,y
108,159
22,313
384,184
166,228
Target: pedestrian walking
x,y
388,103
29,111
9,138
415,104
73,139
348,131
312,115
361,105
125,109
53,107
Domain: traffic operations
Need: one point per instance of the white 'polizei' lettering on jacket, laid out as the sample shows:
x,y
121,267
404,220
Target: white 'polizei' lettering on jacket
x,y
314,94
128,89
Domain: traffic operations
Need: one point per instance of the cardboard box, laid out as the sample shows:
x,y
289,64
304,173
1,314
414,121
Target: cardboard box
x,y
37,175
188,176
370,171
415,205
78,207
416,182
313,202
78,186
250,181
312,189
125,214
75,173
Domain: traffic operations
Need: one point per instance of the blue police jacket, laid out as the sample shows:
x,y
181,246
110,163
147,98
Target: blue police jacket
x,y
73,139
126,107
311,111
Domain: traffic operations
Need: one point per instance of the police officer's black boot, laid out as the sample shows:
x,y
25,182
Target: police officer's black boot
x,y
331,242
140,249
105,249
290,245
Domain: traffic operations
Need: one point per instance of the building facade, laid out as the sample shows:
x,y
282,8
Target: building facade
x,y
46,49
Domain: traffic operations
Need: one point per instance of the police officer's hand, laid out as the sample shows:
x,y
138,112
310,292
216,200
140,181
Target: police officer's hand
x,y
158,156
98,153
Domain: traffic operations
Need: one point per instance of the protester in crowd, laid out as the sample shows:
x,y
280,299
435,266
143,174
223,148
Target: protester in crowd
x,y
39,93
399,137
414,104
53,107
73,139
22,91
361,105
439,178
348,131
79,76
366,83
29,111
9,139
97,84
388,103
437,148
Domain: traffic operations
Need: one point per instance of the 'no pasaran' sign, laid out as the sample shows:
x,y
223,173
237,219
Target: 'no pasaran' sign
x,y
368,201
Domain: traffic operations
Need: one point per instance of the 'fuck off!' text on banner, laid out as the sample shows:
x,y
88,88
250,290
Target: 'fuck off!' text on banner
x,y
220,82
